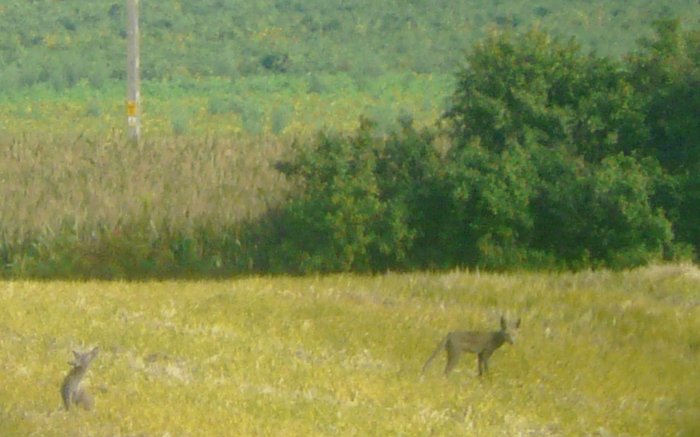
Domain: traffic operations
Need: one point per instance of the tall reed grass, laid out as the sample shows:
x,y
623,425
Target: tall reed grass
x,y
80,192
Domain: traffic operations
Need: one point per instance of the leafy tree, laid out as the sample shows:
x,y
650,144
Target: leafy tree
x,y
491,192
687,226
535,89
340,219
624,227
667,71
413,182
560,205
544,166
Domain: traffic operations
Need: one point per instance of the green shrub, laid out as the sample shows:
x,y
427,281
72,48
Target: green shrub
x,y
490,194
350,212
624,227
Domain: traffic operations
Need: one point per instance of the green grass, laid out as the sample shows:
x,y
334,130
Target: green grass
x,y
203,69
598,353
255,107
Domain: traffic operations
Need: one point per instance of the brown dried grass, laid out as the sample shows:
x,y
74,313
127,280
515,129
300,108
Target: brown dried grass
x,y
90,184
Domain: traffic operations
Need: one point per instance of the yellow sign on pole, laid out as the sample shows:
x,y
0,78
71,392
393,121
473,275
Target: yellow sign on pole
x,y
131,108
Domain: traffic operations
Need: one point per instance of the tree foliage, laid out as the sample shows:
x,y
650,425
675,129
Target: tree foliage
x,y
534,88
667,72
349,214
59,42
552,160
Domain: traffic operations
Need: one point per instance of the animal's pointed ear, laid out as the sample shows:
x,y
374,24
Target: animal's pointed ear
x,y
503,323
76,354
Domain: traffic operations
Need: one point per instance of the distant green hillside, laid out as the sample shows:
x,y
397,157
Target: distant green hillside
x,y
64,42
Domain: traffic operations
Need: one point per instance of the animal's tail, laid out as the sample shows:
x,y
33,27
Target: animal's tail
x,y
439,348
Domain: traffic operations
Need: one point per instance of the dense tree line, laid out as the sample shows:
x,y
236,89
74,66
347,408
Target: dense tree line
x,y
546,157
64,43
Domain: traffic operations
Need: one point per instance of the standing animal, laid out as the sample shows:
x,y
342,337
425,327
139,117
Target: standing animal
x,y
479,342
72,391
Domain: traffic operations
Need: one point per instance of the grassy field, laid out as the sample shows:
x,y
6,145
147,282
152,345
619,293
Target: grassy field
x,y
277,106
598,353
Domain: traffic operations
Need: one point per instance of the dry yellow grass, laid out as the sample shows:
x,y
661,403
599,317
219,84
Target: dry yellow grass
x,y
598,353
86,185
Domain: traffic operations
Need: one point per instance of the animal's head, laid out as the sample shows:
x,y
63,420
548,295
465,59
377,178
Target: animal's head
x,y
509,332
83,360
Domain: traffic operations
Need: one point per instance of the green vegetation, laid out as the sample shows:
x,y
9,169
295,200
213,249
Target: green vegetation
x,y
555,159
606,353
552,144
271,66
279,107
63,43
546,157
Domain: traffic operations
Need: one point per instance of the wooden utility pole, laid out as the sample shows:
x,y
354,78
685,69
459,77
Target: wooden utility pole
x,y
133,94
